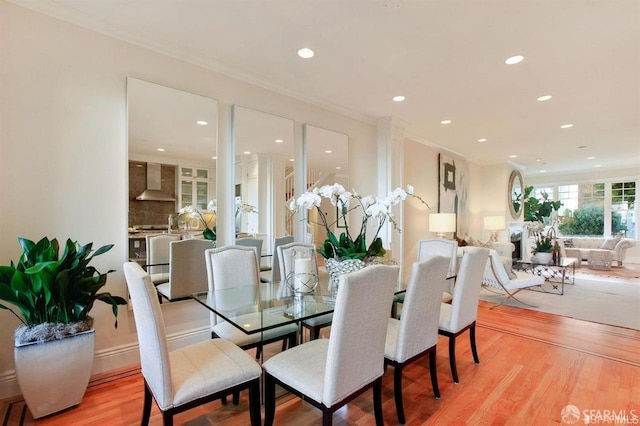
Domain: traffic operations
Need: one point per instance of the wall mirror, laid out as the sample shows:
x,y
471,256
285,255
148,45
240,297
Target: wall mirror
x,y
515,189
327,163
172,159
264,148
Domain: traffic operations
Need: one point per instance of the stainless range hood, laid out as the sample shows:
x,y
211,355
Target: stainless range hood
x,y
153,192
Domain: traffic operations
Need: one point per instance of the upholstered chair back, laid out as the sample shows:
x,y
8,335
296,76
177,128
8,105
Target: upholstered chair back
x,y
187,269
275,260
152,337
256,243
466,293
355,355
440,247
158,252
285,253
418,330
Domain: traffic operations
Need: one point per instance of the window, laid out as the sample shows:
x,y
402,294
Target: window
x,y
623,212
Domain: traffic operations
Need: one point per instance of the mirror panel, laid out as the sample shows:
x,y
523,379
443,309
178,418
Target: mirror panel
x,y
327,163
264,146
515,189
162,118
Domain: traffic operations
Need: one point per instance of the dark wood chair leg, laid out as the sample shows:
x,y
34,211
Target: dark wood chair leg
x,y
452,358
146,407
269,400
397,392
314,333
258,350
167,418
236,398
327,418
432,372
472,337
254,404
377,401
223,400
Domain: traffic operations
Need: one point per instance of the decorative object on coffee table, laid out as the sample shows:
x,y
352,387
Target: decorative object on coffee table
x,y
600,259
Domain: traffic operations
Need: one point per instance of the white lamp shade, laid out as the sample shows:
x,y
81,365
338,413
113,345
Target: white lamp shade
x,y
442,222
494,223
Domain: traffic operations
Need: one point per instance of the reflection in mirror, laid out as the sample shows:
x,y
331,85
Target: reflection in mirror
x,y
515,193
327,163
172,149
263,173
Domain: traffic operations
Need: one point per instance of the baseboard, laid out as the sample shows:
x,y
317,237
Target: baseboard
x,y
112,359
634,260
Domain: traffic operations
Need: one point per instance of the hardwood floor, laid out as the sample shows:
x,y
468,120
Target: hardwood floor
x,y
532,364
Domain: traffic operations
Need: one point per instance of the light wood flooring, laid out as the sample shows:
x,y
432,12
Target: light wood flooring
x,y
532,364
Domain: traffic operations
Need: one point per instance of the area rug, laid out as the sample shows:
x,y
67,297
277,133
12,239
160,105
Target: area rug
x,y
604,300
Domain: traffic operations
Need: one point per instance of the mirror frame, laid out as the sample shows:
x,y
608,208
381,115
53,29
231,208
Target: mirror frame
x,y
515,212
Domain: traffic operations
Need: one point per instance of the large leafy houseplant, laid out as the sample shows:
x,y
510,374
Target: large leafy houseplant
x,y
535,210
47,288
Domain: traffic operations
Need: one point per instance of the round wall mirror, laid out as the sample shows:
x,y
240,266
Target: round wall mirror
x,y
515,194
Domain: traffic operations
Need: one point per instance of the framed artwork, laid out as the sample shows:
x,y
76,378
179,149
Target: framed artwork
x,y
453,186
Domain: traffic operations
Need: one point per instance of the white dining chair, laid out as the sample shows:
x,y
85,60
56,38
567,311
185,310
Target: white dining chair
x,y
157,246
187,270
184,378
274,274
415,334
328,373
460,315
314,325
233,266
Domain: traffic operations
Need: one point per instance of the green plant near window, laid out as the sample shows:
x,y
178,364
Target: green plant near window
x,y
48,288
535,210
589,220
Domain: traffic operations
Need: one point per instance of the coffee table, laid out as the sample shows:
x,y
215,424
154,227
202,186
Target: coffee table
x,y
555,275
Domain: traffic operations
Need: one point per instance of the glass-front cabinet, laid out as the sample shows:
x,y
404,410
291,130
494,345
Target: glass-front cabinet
x,y
194,187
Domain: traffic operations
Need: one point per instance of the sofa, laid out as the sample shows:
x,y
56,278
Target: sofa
x,y
579,247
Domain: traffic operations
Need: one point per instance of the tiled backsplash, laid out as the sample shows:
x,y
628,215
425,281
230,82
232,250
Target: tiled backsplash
x,y
150,212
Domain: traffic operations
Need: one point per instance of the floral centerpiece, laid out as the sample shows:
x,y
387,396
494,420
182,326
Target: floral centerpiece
x,y
374,208
543,243
209,231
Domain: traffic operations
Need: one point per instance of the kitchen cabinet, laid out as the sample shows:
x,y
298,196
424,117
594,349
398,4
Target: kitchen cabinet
x,y
195,187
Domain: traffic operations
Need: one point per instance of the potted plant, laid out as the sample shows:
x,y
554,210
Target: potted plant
x,y
543,247
536,210
54,345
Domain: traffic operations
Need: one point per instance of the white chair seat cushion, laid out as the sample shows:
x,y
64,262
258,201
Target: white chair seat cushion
x,y
523,280
320,320
162,277
194,367
301,367
240,338
164,289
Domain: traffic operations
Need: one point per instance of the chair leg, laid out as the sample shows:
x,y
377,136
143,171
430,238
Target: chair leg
x,y
258,350
236,398
452,358
397,392
146,407
472,338
254,403
314,333
377,402
432,372
327,418
269,400
167,418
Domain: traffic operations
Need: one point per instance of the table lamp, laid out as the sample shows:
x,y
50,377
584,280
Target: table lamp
x,y
494,224
441,223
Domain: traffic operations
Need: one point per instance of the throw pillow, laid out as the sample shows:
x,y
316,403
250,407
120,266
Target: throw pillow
x,y
477,243
568,243
507,263
610,243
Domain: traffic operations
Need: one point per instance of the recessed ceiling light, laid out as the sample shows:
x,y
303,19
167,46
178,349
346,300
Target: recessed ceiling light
x,y
291,159
513,156
598,165
214,158
482,140
202,122
514,60
566,126
538,159
279,141
398,98
328,151
338,168
544,98
591,158
306,53
543,171
445,122
247,152
160,149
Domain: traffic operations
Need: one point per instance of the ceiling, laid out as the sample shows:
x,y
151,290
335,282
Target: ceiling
x,y
447,57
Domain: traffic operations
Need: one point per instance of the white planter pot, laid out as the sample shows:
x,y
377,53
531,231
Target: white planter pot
x,y
544,258
54,375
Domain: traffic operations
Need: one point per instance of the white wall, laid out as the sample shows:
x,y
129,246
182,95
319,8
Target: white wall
x,y
63,158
